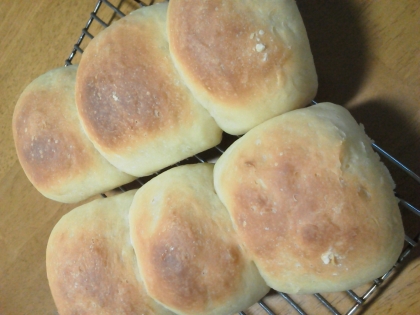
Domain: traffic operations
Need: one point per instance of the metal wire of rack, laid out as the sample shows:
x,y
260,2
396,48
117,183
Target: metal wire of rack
x,y
358,299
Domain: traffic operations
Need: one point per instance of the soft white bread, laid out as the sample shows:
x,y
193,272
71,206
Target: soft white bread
x,y
132,102
311,202
186,247
245,61
91,265
55,153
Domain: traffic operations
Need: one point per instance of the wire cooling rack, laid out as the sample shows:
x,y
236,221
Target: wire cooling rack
x,y
365,293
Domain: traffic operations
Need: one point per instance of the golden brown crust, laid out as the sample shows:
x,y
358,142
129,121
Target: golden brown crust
x,y
186,248
51,146
183,238
311,201
91,265
131,100
245,61
205,50
43,147
119,98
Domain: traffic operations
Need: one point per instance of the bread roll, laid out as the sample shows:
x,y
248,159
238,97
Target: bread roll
x,y
186,248
132,102
91,265
311,202
52,148
245,61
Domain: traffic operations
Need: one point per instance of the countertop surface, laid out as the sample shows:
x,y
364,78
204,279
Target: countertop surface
x,y
367,55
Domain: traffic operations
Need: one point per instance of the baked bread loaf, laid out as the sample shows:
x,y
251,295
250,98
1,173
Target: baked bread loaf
x,y
245,61
132,102
311,202
188,253
91,265
57,157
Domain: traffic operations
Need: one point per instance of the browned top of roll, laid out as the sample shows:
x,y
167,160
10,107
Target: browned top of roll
x,y
311,201
213,40
91,265
123,90
186,247
51,145
44,136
